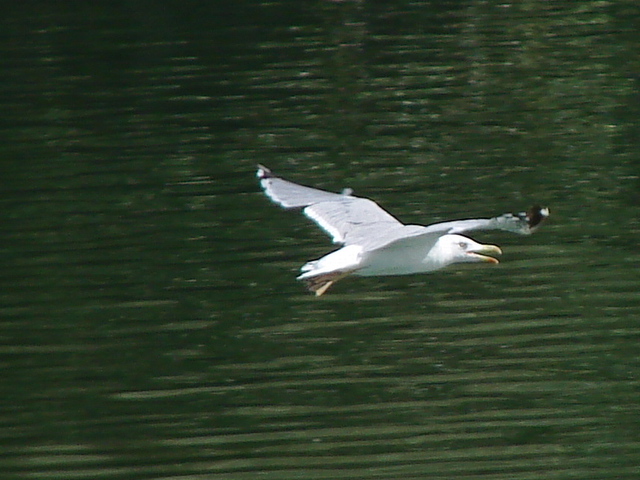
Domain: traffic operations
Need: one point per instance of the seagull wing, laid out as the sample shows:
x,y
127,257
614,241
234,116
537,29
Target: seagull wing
x,y
376,235
524,223
348,219
411,236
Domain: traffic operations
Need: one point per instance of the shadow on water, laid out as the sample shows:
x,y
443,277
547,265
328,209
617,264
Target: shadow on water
x,y
151,323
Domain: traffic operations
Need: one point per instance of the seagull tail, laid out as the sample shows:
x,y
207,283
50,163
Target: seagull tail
x,y
320,274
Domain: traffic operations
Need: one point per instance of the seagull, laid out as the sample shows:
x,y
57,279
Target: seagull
x,y
374,243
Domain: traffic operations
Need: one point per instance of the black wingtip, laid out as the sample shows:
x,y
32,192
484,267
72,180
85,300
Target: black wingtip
x,y
536,215
263,172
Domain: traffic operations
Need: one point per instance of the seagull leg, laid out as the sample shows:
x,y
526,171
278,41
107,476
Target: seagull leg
x,y
323,288
321,283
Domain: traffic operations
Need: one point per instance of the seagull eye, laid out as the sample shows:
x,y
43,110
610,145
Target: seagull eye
x,y
463,245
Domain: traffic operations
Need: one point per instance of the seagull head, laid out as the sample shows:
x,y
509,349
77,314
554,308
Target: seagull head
x,y
460,249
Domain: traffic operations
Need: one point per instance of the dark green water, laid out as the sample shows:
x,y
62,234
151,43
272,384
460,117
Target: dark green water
x,y
150,323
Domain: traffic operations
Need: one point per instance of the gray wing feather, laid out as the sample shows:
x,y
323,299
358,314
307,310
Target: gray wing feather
x,y
351,220
348,219
291,195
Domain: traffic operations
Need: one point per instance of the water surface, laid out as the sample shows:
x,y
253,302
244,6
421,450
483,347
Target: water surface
x,y
151,325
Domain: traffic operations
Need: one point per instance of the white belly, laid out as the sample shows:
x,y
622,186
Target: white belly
x,y
397,262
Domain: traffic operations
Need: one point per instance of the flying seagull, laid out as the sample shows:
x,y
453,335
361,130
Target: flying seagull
x,y
374,243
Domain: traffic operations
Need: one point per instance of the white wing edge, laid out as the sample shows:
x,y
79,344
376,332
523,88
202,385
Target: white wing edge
x,y
336,236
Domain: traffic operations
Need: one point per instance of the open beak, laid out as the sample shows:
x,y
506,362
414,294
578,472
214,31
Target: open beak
x,y
482,253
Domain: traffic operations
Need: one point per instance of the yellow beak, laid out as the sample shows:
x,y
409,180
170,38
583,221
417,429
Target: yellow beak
x,y
482,253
